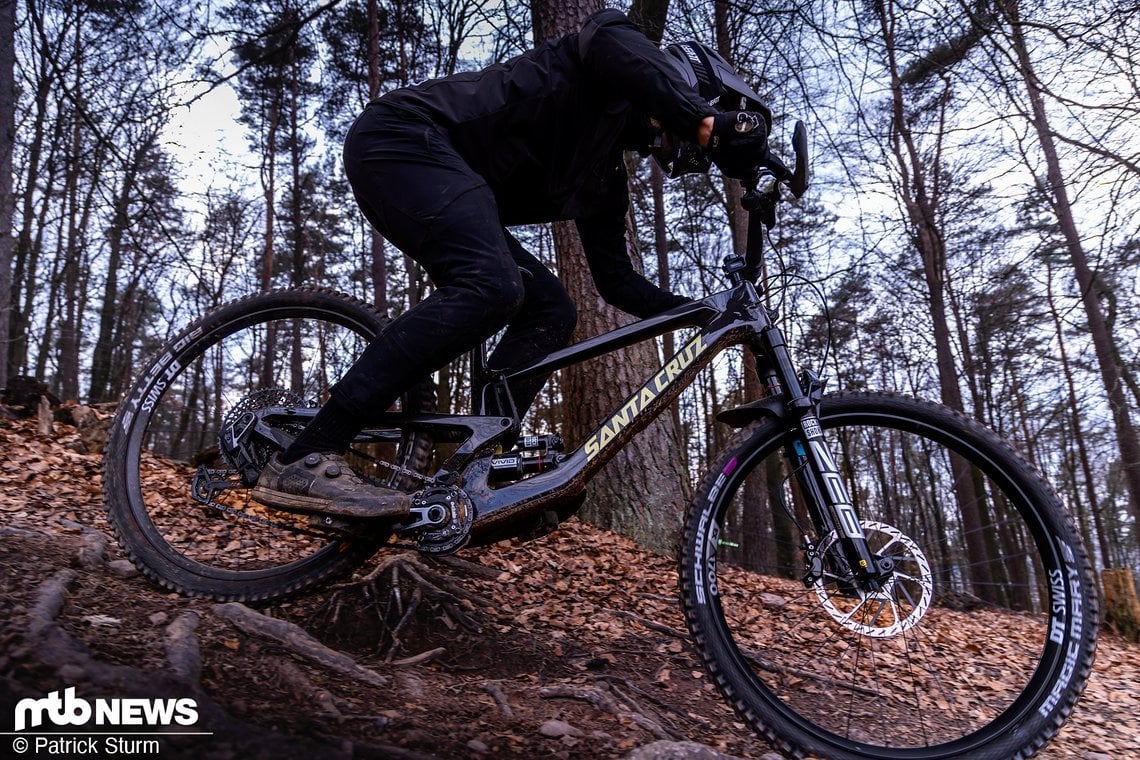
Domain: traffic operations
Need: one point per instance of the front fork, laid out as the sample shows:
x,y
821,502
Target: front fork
x,y
827,498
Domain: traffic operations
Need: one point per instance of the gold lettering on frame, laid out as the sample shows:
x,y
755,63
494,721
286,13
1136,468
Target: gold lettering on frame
x,y
641,400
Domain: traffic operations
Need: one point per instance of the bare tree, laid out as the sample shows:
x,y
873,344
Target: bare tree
x,y
7,199
1056,184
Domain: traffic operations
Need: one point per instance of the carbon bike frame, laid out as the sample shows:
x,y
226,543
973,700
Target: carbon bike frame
x,y
731,317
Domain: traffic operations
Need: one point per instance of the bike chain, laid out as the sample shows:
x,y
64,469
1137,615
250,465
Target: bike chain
x,y
407,472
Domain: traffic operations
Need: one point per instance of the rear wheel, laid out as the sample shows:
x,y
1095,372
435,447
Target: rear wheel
x,y
180,504
977,646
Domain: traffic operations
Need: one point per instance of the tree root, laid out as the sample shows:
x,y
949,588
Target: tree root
x,y
500,697
600,699
651,625
296,640
183,657
50,598
402,594
293,677
45,643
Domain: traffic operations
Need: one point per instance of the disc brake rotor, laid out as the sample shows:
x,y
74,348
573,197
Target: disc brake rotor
x,y
898,605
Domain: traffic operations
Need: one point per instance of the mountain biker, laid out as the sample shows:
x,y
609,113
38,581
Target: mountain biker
x,y
444,167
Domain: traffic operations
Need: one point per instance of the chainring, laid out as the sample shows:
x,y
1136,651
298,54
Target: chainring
x,y
450,511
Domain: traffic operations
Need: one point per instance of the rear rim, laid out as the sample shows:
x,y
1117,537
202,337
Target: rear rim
x,y
233,547
898,675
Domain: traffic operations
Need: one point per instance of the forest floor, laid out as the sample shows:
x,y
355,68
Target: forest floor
x,y
569,646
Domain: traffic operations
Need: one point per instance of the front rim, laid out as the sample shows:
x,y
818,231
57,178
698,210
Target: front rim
x,y
864,678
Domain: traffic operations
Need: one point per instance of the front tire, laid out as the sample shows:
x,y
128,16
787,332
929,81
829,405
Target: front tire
x,y
819,668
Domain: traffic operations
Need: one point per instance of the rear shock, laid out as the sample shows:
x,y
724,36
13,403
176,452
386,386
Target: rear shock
x,y
535,454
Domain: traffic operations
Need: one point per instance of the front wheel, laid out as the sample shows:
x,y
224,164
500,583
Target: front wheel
x,y
977,646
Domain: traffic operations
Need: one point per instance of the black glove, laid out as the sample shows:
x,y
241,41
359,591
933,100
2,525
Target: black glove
x,y
738,143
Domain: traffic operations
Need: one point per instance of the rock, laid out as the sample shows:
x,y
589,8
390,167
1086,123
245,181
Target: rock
x,y
91,548
667,750
556,729
773,601
123,568
477,746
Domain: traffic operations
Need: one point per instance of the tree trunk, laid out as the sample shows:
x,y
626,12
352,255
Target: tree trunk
x,y
641,492
1121,609
760,546
101,388
67,380
7,200
378,265
1075,421
269,188
650,16
1111,376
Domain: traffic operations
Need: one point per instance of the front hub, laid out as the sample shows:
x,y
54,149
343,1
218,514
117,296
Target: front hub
x,y
898,598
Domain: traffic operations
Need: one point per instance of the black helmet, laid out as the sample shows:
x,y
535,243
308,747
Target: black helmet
x,y
714,78
720,86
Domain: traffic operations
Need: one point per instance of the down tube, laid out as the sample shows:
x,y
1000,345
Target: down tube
x,y
551,489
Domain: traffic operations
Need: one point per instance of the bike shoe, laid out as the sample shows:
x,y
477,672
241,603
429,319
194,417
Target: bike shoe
x,y
324,483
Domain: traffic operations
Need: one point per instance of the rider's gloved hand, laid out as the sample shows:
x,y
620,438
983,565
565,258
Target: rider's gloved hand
x,y
738,143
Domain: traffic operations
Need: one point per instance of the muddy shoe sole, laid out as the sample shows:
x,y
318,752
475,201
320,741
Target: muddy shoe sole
x,y
310,504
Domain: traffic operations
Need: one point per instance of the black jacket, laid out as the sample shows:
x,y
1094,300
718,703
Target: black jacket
x,y
546,130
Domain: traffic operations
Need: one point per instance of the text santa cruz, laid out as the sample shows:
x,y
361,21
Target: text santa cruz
x,y
638,402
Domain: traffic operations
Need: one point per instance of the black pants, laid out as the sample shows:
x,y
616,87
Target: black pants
x,y
421,195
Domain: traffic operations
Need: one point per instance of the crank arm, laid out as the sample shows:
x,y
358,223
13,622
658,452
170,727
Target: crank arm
x,y
425,516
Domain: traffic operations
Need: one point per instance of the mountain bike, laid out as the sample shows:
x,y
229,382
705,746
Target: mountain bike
x,y
898,523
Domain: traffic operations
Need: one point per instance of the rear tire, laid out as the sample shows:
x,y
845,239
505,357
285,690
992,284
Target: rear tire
x,y
169,423
819,670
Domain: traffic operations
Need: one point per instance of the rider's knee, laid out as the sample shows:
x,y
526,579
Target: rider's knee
x,y
565,317
503,295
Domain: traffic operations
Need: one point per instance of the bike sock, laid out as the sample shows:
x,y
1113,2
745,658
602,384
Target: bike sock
x,y
332,429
